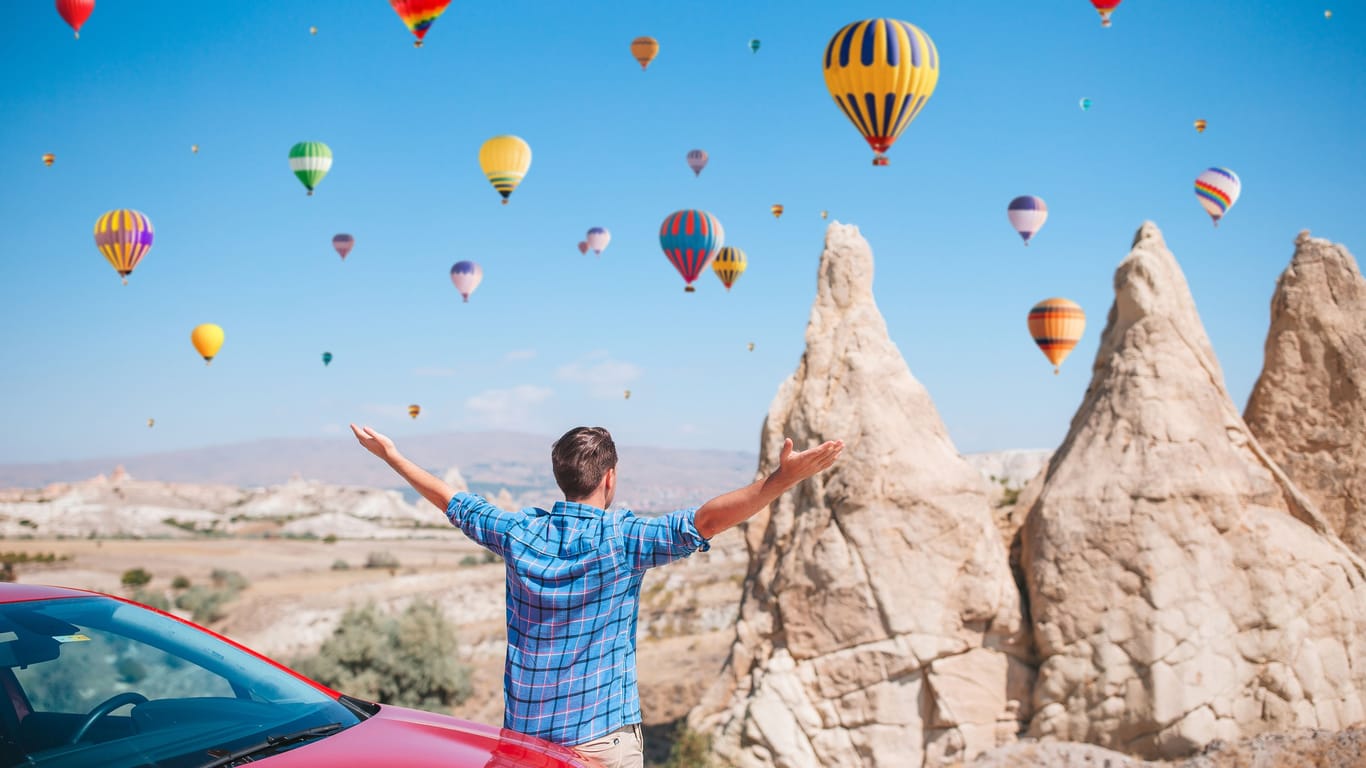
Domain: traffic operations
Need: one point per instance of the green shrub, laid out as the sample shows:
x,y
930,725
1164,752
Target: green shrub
x,y
135,578
469,560
407,661
690,750
180,582
381,560
330,538
231,581
152,598
340,565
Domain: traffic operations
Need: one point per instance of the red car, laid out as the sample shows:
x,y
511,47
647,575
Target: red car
x,y
88,679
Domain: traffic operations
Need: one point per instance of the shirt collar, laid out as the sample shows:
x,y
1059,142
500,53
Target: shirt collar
x,y
575,509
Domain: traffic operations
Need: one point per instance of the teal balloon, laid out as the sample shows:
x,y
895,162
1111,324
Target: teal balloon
x,y
327,358
754,46
1085,104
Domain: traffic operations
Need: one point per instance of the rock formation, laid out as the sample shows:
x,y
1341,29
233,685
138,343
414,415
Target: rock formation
x,y
880,624
1181,588
1309,406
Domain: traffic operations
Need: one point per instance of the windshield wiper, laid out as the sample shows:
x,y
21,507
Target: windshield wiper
x,y
274,744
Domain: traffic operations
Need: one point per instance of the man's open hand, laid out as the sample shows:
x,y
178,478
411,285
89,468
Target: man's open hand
x,y
375,443
795,467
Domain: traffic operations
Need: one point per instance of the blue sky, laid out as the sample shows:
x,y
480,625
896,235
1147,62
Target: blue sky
x,y
552,338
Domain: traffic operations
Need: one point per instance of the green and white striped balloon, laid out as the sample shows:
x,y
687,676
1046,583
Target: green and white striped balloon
x,y
310,161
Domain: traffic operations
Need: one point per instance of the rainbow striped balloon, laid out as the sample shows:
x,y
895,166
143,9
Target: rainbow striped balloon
x,y
1057,326
691,239
124,237
419,15
881,72
310,161
1217,189
729,264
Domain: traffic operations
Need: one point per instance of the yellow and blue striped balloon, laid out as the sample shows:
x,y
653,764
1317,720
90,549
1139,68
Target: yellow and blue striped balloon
x,y
880,73
124,237
505,161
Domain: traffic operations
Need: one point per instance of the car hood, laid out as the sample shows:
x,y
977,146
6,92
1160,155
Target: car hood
x,y
406,738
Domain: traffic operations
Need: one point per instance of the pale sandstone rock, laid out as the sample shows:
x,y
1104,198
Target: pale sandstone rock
x,y
1182,590
879,612
1308,408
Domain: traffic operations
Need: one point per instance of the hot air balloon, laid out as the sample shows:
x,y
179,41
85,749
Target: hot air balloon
x,y
48,159
751,346
1027,214
75,12
697,160
1217,189
628,394
1327,14
151,423
583,246
1085,105
343,244
1056,325
1105,8
777,210
880,73
728,265
598,238
310,161
194,148
754,46
207,340
419,15
414,410
1200,126
466,275
124,237
505,160
691,238
645,49
327,359
824,214
312,30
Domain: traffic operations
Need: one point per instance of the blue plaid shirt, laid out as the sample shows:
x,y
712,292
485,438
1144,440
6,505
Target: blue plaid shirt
x,y
573,593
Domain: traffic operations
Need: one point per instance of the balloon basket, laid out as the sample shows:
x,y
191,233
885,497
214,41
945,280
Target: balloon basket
x,y
881,160
417,43
505,201
689,289
310,193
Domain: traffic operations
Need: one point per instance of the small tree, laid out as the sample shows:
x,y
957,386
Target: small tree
x,y
136,578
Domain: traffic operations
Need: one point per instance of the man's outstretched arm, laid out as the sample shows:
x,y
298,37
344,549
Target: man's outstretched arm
x,y
730,509
432,488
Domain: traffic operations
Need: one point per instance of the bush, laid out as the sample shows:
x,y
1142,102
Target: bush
x,y
340,565
136,578
231,581
407,661
180,582
152,598
330,538
205,605
381,560
469,560
690,750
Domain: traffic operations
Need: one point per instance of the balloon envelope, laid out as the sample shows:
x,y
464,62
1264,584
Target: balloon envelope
x,y
1056,325
207,340
644,49
75,12
1085,104
310,161
583,246
418,15
414,410
124,237
327,358
466,276
697,160
1105,8
754,46
598,238
343,243
1027,214
690,239
1217,189
777,210
729,264
881,72
48,159
505,161
1200,126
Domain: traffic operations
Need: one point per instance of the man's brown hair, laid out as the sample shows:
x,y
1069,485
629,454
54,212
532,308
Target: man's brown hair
x,y
580,459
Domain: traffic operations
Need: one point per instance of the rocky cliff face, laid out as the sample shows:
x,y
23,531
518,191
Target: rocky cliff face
x,y
1182,589
1308,408
880,625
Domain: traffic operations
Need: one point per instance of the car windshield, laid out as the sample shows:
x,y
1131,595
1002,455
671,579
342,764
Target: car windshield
x,y
93,681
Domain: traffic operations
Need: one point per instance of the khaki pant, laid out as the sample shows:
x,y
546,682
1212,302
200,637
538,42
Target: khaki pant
x,y
624,748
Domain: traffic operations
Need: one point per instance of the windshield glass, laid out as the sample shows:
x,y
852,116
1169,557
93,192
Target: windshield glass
x,y
97,682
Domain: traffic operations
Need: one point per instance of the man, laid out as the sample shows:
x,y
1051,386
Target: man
x,y
573,583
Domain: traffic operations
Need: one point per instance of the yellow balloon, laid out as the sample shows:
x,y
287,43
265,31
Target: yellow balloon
x,y
505,160
414,410
777,210
207,339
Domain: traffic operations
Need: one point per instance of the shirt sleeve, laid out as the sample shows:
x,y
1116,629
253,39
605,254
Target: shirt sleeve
x,y
486,524
654,541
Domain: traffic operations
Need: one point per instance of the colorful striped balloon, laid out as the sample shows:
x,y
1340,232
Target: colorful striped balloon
x,y
697,160
880,73
1057,326
691,239
1105,8
310,161
777,210
466,276
1217,189
343,245
419,15
729,264
598,238
1027,214
124,237
75,12
505,161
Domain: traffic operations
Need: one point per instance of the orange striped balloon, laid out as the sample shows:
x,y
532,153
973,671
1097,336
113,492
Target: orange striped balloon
x,y
1057,326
